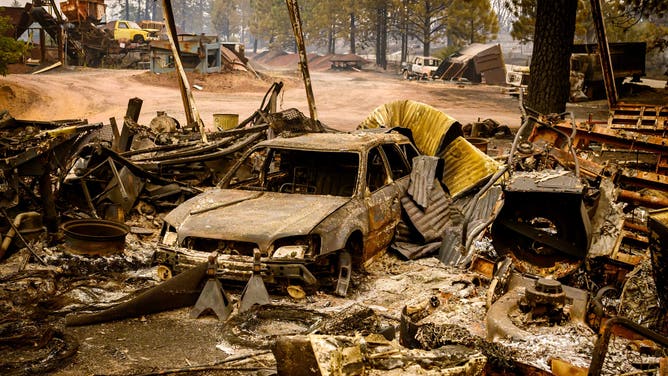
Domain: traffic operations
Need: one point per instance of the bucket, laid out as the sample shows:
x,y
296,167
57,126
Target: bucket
x,y
480,143
225,122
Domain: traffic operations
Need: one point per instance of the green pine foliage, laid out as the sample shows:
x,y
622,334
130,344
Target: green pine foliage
x,y
11,50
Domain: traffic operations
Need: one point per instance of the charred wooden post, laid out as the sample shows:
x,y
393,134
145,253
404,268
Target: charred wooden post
x,y
604,53
192,114
295,19
123,142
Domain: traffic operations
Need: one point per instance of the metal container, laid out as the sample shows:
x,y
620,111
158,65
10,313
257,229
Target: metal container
x,y
480,143
225,121
94,237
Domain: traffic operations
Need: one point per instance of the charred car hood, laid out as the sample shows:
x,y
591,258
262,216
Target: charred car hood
x,y
259,217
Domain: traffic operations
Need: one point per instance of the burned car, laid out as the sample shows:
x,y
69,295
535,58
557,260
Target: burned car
x,y
314,206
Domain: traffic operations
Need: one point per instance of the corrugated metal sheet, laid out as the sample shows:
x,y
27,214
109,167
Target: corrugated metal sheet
x,y
432,129
432,221
422,179
466,166
414,251
452,250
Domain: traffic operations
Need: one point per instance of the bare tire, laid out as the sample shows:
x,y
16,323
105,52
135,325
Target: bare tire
x,y
406,75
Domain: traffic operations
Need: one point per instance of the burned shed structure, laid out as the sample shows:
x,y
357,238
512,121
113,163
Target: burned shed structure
x,y
478,63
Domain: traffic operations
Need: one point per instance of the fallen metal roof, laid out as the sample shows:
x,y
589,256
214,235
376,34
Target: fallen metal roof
x,y
432,129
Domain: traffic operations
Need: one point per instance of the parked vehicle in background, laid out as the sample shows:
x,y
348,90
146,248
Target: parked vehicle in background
x,y
422,68
315,207
129,31
628,60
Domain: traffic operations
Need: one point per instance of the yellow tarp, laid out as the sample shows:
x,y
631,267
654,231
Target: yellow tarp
x,y
432,129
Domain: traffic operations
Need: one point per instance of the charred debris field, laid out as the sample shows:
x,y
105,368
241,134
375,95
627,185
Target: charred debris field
x,y
416,227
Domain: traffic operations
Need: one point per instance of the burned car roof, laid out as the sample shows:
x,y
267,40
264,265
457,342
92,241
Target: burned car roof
x,y
354,141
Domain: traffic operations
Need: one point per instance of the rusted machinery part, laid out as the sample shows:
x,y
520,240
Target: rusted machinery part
x,y
180,291
498,322
601,347
530,263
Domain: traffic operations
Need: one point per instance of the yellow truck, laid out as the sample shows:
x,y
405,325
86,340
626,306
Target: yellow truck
x,y
129,31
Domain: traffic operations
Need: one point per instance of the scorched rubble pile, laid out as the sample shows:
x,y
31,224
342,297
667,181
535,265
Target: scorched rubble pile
x,y
527,255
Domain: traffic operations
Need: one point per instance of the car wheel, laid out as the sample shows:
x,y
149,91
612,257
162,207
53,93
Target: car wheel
x,y
138,39
406,75
345,270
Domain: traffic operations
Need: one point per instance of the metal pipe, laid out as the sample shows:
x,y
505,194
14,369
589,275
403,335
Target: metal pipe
x,y
295,19
601,347
13,231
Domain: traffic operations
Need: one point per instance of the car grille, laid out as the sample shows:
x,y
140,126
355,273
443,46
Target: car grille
x,y
227,247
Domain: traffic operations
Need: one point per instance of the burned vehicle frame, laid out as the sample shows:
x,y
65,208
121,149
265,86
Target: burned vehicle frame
x,y
315,206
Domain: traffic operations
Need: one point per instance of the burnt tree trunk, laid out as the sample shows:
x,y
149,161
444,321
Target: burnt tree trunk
x,y
404,30
381,35
353,33
550,64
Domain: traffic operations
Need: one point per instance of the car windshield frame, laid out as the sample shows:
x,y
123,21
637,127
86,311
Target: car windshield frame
x,y
284,169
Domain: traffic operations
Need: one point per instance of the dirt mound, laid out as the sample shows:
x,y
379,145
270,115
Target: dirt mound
x,y
17,99
213,82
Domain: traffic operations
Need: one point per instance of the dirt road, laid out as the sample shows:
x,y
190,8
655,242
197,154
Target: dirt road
x,y
343,98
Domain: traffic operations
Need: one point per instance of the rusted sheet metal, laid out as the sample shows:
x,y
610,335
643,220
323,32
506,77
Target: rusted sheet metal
x,y
639,118
644,179
618,138
466,167
83,10
658,225
431,221
432,129
188,44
